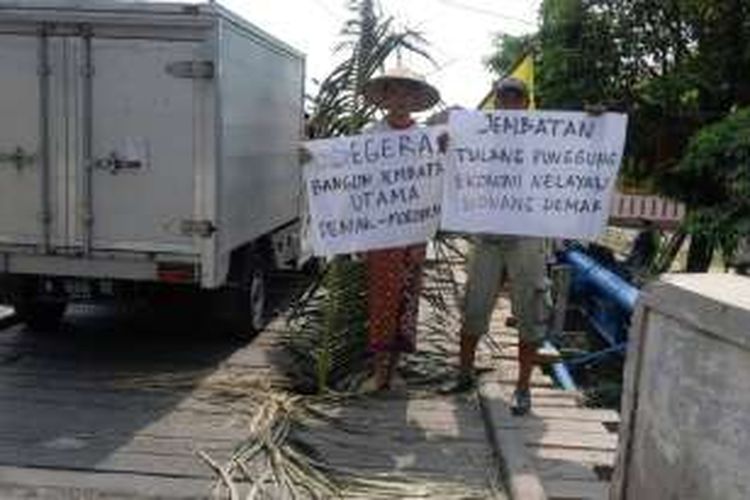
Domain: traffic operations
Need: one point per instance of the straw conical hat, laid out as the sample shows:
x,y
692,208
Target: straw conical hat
x,y
422,94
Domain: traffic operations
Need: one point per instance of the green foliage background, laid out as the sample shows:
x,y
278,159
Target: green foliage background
x,y
714,178
674,66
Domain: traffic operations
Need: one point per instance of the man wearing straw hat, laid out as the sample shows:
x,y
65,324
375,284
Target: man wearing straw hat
x,y
394,275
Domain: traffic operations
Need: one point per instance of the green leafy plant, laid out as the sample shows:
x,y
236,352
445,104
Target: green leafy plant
x,y
328,329
713,178
369,40
674,66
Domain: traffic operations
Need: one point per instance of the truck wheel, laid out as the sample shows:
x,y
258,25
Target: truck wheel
x,y
256,295
41,316
241,310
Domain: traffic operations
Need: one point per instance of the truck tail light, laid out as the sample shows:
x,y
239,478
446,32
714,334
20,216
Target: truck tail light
x,y
177,272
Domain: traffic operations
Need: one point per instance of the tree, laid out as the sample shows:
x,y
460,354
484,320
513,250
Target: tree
x,y
369,40
674,66
508,50
714,179
578,59
704,46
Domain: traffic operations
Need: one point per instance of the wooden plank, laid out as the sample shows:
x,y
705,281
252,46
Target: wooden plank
x,y
393,428
393,434
428,410
105,444
504,341
12,379
571,439
561,469
185,437
132,463
594,457
553,402
430,417
470,431
503,354
102,362
577,490
77,370
587,414
502,333
538,425
49,422
20,482
417,434
544,396
552,392
422,453
176,460
104,405
105,399
455,460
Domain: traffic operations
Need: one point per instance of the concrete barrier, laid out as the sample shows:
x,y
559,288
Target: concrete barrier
x,y
685,430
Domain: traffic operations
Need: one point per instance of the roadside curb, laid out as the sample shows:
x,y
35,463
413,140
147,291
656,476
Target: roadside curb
x,y
519,472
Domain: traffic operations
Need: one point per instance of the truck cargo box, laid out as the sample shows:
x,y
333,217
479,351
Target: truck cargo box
x,y
140,135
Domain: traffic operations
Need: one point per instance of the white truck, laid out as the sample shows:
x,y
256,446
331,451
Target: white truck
x,y
144,145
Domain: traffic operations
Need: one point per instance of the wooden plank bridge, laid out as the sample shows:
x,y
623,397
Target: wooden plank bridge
x,y
78,421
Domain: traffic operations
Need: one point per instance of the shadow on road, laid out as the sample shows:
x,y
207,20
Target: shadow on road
x,y
75,398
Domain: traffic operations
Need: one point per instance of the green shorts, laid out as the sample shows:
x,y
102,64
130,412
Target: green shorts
x,y
520,259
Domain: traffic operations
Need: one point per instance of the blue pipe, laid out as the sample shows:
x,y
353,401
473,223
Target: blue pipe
x,y
596,356
604,281
562,375
589,273
600,329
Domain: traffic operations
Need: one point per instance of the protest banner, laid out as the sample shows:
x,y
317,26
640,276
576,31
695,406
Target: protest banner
x,y
374,191
534,173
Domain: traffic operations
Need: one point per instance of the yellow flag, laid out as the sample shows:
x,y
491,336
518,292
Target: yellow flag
x,y
524,71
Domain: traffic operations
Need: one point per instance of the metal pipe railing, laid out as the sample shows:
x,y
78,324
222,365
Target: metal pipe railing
x,y
562,375
588,272
591,277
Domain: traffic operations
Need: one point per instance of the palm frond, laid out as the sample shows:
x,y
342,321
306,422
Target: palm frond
x,y
370,39
328,328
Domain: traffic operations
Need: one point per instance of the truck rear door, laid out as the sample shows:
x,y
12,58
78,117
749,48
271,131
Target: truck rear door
x,y
29,160
144,97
